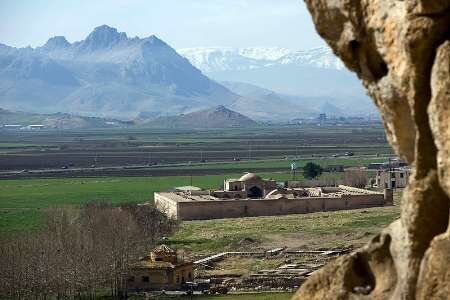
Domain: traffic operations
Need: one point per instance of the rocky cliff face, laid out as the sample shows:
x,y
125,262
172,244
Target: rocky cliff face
x,y
401,52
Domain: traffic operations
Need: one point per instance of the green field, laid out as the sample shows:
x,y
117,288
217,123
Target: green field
x,y
22,202
43,193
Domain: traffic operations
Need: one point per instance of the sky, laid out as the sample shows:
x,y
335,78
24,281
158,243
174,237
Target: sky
x,y
180,23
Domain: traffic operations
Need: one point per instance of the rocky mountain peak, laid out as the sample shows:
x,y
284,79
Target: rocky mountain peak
x,y
56,42
220,108
103,36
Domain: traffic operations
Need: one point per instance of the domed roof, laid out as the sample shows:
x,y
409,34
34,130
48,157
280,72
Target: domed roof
x,y
250,177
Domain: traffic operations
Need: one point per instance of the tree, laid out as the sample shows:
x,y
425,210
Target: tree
x,y
312,170
355,178
79,251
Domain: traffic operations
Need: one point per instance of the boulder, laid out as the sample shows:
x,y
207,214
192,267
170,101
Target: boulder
x,y
400,50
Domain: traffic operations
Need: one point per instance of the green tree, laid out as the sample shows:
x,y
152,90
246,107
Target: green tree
x,y
312,170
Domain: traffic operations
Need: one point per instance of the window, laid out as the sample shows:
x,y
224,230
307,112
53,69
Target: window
x,y
178,278
401,175
190,275
131,279
145,279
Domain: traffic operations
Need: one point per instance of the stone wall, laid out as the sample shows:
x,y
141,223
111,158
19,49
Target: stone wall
x,y
219,209
170,208
401,52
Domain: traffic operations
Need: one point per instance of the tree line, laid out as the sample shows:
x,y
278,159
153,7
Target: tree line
x,y
80,253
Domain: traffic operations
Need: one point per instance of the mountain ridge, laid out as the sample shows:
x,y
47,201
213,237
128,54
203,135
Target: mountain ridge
x,y
108,74
214,59
314,74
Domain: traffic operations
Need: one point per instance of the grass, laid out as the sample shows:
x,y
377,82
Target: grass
x,y
43,193
22,201
261,296
20,220
216,235
23,204
248,296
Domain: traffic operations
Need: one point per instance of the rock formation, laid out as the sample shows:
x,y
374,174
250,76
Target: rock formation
x,y
400,49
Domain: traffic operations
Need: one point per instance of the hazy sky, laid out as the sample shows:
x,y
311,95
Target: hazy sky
x,y
181,23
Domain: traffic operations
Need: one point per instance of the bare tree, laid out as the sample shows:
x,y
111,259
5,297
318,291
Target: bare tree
x,y
79,251
355,178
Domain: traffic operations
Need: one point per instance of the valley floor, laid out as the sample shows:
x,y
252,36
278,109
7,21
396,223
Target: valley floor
x,y
24,202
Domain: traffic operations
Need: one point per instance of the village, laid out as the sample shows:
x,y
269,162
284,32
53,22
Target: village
x,y
165,271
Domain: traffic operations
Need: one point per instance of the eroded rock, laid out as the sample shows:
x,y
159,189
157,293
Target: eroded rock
x,y
401,52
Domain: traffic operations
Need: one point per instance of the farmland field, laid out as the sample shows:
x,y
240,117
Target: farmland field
x,y
23,201
117,147
182,157
131,165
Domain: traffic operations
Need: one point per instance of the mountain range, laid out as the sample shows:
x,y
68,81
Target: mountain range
x,y
314,76
109,74
217,59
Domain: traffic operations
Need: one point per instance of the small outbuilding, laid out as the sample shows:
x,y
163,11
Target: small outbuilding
x,y
162,269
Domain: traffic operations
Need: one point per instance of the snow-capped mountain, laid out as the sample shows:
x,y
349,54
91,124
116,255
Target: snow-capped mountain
x,y
216,59
315,74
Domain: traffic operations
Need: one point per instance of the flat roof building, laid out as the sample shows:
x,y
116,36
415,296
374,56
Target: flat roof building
x,y
393,178
251,195
161,269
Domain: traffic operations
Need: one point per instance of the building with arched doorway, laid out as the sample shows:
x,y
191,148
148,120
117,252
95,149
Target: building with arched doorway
x,y
249,186
251,196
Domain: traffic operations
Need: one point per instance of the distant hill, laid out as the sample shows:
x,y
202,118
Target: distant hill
x,y
266,105
216,117
57,120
